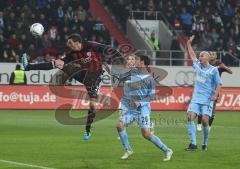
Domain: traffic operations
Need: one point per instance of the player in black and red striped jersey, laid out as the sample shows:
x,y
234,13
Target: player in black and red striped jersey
x,y
84,63
221,68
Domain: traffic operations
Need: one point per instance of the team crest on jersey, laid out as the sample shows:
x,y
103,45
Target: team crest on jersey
x,y
200,79
206,74
89,54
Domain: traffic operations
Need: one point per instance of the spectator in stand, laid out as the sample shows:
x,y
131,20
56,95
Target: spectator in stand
x,y
228,12
220,45
217,21
19,51
70,13
59,43
19,30
198,25
83,32
9,54
223,34
1,47
25,41
60,12
46,41
1,21
41,4
13,42
186,19
151,10
43,21
81,13
214,35
52,33
231,46
8,32
31,51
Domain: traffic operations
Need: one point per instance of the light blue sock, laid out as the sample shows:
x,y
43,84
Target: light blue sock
x,y
192,132
156,140
124,138
205,134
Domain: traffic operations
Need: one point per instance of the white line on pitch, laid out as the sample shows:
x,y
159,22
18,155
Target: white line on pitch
x,y
23,164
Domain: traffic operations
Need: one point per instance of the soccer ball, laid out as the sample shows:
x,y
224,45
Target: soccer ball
x,y
37,29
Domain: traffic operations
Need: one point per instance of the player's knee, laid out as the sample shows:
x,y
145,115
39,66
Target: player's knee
x,y
190,116
92,106
205,120
120,126
147,135
91,113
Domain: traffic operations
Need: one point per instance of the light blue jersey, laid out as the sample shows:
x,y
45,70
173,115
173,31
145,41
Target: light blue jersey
x,y
138,87
207,79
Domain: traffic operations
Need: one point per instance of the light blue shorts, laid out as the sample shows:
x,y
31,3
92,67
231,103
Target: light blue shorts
x,y
201,109
141,116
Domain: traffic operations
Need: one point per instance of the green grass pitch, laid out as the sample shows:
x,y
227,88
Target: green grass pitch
x,y
36,138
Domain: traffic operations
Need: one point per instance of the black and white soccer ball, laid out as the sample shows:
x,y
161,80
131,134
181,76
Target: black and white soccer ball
x,y
37,29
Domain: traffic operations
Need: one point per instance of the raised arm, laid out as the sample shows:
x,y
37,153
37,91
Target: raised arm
x,y
190,50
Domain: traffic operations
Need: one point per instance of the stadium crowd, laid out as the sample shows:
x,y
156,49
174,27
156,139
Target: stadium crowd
x,y
216,23
59,18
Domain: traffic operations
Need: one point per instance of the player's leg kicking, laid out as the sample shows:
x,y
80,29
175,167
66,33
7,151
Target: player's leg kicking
x,y
90,80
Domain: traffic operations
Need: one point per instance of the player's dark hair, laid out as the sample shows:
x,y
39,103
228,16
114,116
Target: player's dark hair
x,y
145,59
75,37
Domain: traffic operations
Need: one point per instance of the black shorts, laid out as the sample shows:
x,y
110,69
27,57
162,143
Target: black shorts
x,y
91,81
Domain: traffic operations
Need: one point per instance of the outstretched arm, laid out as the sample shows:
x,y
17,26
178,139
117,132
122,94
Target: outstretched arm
x,y
225,68
190,50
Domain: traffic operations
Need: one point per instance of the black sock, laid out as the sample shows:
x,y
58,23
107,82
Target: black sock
x,y
41,66
211,120
90,118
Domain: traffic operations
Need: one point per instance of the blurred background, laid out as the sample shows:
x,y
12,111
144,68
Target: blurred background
x,y
158,27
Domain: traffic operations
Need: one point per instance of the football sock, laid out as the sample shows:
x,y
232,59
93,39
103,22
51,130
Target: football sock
x,y
124,138
192,132
211,120
205,134
90,118
41,66
156,140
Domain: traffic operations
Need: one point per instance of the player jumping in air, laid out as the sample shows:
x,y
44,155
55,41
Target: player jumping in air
x,y
206,89
221,68
139,90
85,56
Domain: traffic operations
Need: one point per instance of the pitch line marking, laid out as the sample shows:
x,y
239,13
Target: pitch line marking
x,y
24,164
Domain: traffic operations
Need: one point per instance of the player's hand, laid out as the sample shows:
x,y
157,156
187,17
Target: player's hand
x,y
59,63
190,39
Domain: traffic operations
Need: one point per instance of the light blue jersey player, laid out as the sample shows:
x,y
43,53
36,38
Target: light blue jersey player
x,y
139,90
206,89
